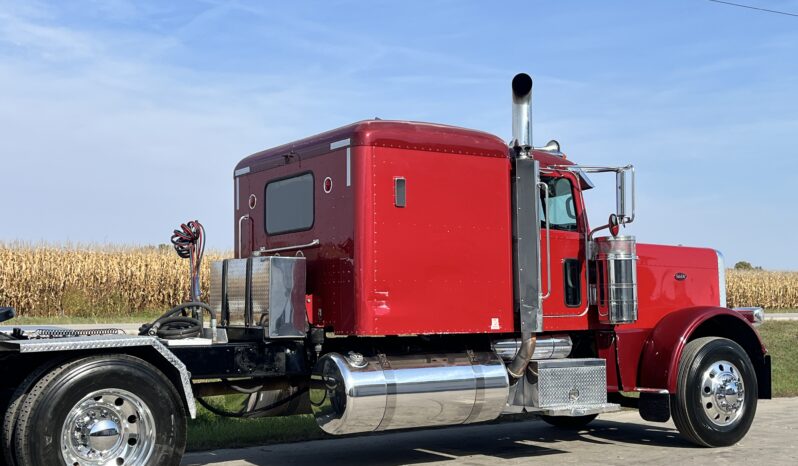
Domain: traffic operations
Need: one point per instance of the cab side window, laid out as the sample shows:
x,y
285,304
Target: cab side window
x,y
561,210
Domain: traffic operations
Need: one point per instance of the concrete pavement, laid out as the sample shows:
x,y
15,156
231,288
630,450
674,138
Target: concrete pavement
x,y
614,439
782,316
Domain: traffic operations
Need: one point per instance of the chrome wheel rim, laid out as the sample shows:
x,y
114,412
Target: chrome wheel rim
x,y
723,393
106,428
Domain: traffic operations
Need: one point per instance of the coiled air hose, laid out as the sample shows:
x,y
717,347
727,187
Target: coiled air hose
x,y
171,327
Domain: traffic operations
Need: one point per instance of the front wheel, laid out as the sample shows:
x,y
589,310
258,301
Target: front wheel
x,y
569,422
716,395
101,410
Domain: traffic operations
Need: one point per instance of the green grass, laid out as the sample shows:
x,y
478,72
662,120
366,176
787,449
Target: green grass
x,y
781,339
779,310
69,320
209,431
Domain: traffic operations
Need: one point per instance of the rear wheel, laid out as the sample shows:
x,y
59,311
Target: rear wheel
x,y
716,394
569,422
12,407
101,410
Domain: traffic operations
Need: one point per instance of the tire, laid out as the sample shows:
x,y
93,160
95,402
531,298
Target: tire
x,y
703,414
12,411
569,422
120,407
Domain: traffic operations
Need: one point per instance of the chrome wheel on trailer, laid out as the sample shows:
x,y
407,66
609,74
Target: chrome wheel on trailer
x,y
106,427
716,393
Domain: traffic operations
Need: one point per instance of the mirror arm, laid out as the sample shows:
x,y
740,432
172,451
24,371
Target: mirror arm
x,y
597,229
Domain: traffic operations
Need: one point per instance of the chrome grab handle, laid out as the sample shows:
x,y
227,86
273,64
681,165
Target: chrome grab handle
x,y
548,243
313,243
243,217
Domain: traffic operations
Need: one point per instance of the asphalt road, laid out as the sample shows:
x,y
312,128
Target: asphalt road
x,y
614,439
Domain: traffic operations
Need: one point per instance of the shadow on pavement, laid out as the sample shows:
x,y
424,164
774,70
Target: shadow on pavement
x,y
513,440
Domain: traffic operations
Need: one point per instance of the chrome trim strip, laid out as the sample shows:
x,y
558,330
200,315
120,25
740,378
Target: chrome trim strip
x,y
349,166
660,391
339,144
313,243
241,171
721,278
111,342
571,411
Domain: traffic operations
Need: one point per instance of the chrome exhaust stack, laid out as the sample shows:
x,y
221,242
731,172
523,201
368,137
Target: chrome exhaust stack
x,y
522,113
526,227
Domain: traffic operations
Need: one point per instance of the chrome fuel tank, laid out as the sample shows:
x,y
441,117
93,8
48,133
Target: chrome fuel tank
x,y
353,393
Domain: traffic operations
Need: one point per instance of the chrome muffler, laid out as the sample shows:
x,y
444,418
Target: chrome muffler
x,y
353,393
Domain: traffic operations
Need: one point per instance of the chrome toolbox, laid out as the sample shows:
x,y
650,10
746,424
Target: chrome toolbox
x,y
567,387
267,292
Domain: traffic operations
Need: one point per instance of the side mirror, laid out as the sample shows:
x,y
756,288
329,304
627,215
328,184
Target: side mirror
x,y
625,213
613,224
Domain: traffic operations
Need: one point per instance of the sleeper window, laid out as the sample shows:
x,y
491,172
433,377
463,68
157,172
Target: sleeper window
x,y
289,204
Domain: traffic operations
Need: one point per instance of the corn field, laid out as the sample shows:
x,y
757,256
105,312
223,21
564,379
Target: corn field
x,y
80,281
771,290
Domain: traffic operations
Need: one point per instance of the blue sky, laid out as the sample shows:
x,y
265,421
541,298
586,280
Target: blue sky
x,y
120,119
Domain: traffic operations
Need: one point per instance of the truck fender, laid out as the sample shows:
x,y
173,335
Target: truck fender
x,y
659,364
148,348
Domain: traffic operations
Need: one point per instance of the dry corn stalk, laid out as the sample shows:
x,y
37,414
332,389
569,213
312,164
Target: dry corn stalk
x,y
48,281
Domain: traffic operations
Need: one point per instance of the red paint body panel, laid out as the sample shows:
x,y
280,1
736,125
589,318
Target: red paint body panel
x,y
442,264
606,348
660,295
664,346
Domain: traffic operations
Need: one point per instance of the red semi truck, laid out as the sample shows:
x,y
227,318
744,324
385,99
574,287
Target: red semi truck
x,y
394,274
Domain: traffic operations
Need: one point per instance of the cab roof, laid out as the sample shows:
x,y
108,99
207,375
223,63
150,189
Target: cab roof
x,y
392,133
386,133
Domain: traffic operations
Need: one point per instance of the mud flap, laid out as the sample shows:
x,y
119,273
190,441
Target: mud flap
x,y
655,407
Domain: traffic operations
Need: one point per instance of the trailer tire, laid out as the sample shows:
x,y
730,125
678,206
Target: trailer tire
x,y
569,422
716,394
121,407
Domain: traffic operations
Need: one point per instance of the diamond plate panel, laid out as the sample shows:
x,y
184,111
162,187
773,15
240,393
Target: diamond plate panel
x,y
237,292
215,295
569,382
112,342
261,280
